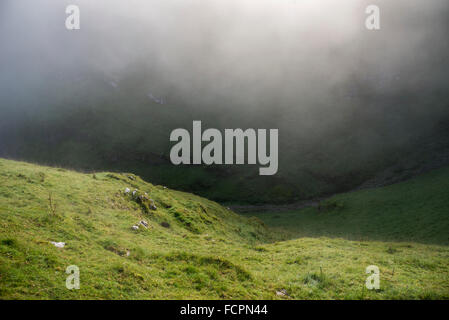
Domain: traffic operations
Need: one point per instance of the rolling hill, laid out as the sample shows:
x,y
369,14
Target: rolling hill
x,y
195,248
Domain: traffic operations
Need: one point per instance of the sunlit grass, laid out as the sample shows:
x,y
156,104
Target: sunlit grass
x,y
205,251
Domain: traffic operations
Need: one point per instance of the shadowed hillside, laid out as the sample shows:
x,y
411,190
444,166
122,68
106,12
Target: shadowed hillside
x,y
416,210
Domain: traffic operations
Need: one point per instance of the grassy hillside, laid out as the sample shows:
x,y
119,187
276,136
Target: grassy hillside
x,y
415,210
195,248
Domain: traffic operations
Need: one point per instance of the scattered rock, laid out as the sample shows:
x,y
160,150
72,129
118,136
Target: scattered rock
x,y
144,197
144,201
135,227
282,293
157,100
127,190
144,223
131,177
128,253
152,205
58,244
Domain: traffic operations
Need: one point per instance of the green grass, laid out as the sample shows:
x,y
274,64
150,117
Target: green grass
x,y
416,210
197,249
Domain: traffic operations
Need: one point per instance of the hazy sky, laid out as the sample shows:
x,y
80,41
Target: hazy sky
x,y
222,44
253,56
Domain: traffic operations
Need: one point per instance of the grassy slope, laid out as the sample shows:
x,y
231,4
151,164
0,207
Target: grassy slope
x,y
416,210
208,251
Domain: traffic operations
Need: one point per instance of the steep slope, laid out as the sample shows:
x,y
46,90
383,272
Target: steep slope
x,y
94,217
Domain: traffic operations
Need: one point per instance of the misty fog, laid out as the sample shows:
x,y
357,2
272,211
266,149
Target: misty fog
x,y
310,68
